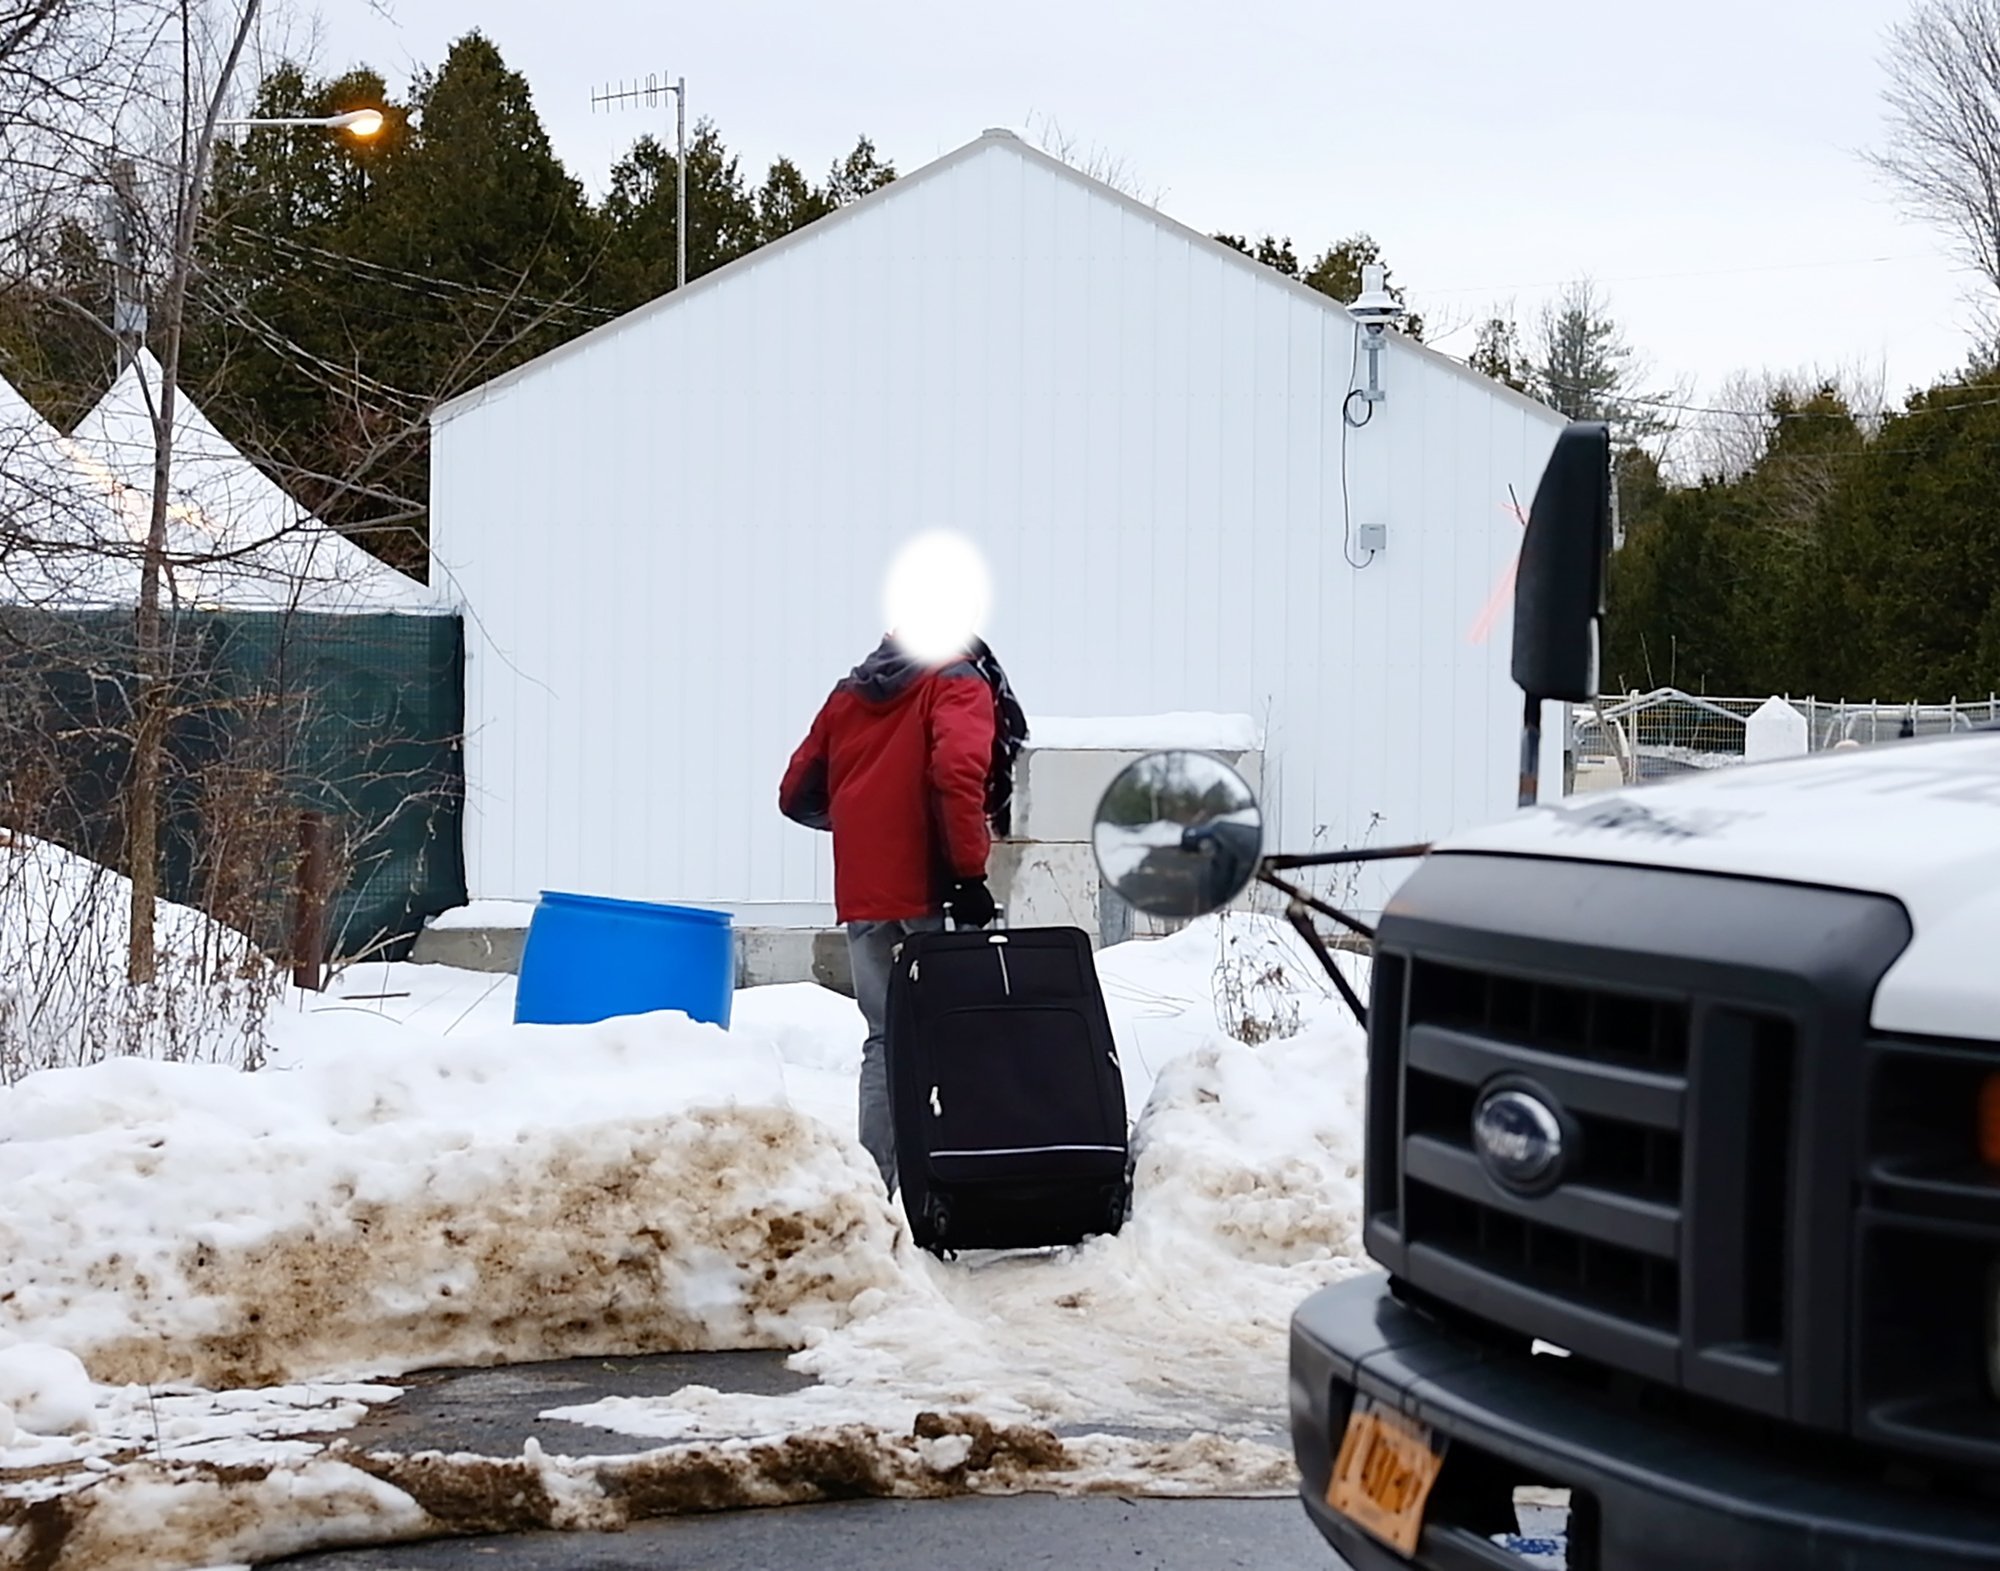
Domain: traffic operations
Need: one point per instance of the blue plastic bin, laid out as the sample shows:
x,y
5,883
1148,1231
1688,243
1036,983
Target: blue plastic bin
x,y
588,958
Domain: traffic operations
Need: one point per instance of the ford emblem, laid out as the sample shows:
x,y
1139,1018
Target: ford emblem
x,y
1519,1138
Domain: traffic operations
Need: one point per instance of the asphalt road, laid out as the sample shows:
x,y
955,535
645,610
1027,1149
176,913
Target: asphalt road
x,y
492,1412
1010,1533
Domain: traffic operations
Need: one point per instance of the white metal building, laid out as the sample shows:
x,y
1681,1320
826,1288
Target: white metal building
x,y
668,536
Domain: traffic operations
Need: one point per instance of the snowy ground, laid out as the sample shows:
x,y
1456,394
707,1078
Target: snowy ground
x,y
242,1263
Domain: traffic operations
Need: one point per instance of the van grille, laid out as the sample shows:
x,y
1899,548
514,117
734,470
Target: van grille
x,y
1665,1018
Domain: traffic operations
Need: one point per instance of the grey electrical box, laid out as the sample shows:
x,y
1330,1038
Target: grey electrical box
x,y
1372,537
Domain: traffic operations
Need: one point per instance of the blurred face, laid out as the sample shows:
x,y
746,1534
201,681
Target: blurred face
x,y
936,596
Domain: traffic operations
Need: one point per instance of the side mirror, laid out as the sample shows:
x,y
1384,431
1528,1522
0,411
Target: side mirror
x,y
1178,834
1559,585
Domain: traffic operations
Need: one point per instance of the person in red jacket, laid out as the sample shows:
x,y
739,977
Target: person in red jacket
x,y
898,765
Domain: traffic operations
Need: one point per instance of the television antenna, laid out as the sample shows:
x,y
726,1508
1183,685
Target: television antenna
x,y
647,95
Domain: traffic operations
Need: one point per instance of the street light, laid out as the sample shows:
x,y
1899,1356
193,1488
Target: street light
x,y
356,122
128,313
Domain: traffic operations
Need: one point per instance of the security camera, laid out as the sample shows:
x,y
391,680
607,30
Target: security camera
x,y
1376,308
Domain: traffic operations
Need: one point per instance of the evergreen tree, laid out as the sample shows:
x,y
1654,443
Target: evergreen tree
x,y
1497,352
859,173
1915,540
787,201
351,284
51,347
724,221
1336,272
1583,362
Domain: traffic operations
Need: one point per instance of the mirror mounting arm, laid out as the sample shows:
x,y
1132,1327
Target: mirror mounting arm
x,y
1295,913
1297,904
1312,902
1531,753
1337,858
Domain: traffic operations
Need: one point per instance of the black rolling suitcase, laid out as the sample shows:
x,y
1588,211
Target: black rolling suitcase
x,y
1005,1092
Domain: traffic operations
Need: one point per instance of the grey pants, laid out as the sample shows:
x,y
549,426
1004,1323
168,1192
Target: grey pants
x,y
870,951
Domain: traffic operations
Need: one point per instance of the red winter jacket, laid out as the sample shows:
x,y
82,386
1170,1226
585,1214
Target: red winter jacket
x,y
896,765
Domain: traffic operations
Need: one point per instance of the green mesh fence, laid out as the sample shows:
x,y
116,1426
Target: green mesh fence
x,y
270,715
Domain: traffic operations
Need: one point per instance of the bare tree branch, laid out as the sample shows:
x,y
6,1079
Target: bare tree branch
x,y
1943,153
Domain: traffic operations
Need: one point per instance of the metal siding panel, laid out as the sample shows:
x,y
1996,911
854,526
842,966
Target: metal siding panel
x,y
1298,696
1212,570
655,550
1268,371
576,643
1024,608
1235,443
791,558
1145,437
1168,330
1069,586
659,447
1481,554
528,647
1371,464
1133,482
1008,524
1406,379
1443,623
1107,619
968,476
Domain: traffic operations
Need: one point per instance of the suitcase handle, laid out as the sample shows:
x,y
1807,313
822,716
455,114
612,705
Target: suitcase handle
x,y
998,923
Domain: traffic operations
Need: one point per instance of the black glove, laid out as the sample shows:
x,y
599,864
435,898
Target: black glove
x,y
970,903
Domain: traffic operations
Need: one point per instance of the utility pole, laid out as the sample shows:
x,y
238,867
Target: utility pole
x,y
128,304
649,95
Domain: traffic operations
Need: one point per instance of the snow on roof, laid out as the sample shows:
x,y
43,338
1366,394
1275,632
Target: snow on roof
x,y
67,541
240,541
1146,733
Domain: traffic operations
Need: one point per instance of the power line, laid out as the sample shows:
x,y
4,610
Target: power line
x,y
1639,401
1638,278
417,283
312,365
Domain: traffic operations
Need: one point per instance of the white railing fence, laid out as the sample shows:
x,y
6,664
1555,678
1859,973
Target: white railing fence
x,y
1630,738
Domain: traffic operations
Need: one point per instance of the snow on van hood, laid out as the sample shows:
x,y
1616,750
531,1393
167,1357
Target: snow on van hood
x,y
1918,821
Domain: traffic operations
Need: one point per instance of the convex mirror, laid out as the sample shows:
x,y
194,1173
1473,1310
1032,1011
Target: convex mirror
x,y
1178,834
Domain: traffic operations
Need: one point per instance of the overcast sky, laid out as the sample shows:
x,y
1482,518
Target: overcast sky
x,y
1701,160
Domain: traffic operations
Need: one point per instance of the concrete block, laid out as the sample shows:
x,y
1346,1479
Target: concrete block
x,y
1059,788
830,967
1045,884
766,955
1059,791
496,949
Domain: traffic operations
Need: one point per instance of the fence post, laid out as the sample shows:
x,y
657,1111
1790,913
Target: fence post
x,y
310,894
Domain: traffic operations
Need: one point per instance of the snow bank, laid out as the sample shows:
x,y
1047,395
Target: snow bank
x,y
176,1425
43,1391
391,1200
63,996
485,913
156,1514
1147,733
1247,1198
414,1181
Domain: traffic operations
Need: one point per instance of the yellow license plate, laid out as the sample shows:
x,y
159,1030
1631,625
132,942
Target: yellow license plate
x,y
1384,1473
